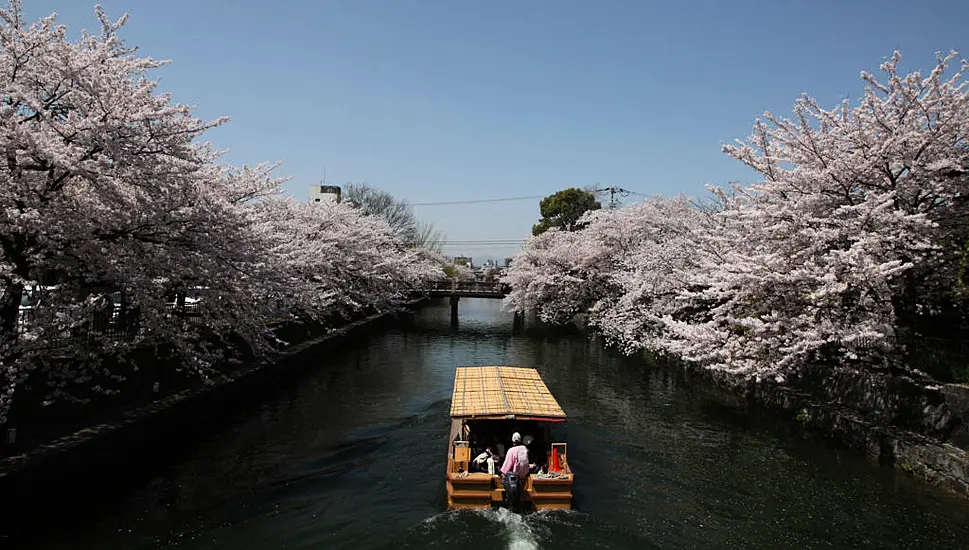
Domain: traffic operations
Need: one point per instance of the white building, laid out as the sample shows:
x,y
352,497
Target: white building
x,y
320,193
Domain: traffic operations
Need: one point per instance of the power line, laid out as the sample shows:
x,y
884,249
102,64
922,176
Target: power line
x,y
500,245
475,201
617,189
475,244
613,190
461,241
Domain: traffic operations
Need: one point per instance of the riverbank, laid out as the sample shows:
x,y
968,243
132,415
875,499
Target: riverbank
x,y
899,421
911,423
100,445
903,421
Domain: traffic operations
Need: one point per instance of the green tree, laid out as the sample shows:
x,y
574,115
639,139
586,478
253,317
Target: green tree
x,y
563,210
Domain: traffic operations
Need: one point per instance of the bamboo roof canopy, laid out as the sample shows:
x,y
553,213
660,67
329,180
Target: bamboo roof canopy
x,y
502,392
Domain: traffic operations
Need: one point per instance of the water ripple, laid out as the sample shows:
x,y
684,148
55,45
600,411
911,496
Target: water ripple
x,y
352,456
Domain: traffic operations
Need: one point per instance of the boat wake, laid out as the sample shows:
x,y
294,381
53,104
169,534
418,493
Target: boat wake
x,y
519,532
490,528
521,535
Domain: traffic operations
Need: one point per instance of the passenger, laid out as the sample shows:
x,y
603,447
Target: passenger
x,y
532,464
497,450
514,471
485,462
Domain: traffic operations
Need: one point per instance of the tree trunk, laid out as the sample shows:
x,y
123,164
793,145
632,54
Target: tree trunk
x,y
9,308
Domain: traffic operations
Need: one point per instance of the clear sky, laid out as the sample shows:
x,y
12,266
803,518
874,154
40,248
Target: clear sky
x,y
448,100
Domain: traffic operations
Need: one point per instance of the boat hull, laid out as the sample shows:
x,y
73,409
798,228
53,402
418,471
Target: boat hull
x,y
477,490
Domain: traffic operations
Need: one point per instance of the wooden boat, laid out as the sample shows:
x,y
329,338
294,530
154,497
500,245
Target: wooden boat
x,y
487,406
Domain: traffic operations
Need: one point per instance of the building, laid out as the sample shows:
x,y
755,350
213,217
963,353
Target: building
x,y
507,262
464,260
320,193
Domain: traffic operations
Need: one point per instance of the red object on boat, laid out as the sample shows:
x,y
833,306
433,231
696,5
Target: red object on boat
x,y
555,460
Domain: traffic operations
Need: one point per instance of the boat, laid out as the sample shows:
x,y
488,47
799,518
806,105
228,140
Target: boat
x,y
488,405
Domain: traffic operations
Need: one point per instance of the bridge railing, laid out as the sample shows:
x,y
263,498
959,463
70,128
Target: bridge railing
x,y
476,287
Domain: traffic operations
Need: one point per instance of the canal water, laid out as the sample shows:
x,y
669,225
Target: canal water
x,y
352,455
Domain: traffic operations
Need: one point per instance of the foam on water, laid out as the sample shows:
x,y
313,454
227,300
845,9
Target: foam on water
x,y
449,515
521,535
520,532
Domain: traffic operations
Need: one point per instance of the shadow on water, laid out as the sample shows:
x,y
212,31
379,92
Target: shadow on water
x,y
351,455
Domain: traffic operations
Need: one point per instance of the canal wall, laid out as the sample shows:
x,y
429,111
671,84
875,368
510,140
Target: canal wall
x,y
903,420
104,446
900,420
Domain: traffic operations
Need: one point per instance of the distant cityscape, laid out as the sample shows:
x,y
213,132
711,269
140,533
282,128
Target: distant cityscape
x,y
489,270
488,264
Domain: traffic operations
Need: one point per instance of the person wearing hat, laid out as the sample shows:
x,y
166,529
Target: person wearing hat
x,y
514,470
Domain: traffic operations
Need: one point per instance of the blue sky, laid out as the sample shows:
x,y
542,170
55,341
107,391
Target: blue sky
x,y
437,100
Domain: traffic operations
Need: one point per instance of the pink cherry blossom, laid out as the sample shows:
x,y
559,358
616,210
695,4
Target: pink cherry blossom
x,y
105,187
856,226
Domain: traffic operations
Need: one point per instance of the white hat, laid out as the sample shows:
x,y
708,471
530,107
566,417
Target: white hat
x,y
516,437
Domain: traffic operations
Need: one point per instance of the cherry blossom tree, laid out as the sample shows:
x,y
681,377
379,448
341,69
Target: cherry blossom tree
x,y
100,175
858,224
332,258
545,277
834,238
652,268
105,188
619,262
561,273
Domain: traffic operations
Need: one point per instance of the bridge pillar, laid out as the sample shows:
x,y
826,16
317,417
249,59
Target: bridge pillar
x,y
454,308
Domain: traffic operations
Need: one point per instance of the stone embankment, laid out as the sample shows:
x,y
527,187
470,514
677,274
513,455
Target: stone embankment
x,y
900,420
910,423
57,461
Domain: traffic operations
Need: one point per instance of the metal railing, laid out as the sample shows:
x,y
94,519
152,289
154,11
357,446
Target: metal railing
x,y
118,324
469,287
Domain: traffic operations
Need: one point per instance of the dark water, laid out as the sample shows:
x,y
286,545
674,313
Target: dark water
x,y
352,456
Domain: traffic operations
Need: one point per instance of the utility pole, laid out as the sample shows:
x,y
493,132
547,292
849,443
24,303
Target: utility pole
x,y
613,191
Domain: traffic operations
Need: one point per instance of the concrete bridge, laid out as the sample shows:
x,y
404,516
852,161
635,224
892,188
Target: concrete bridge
x,y
472,289
469,289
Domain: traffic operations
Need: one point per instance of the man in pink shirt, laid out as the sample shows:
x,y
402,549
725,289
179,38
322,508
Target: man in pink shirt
x,y
516,461
514,470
